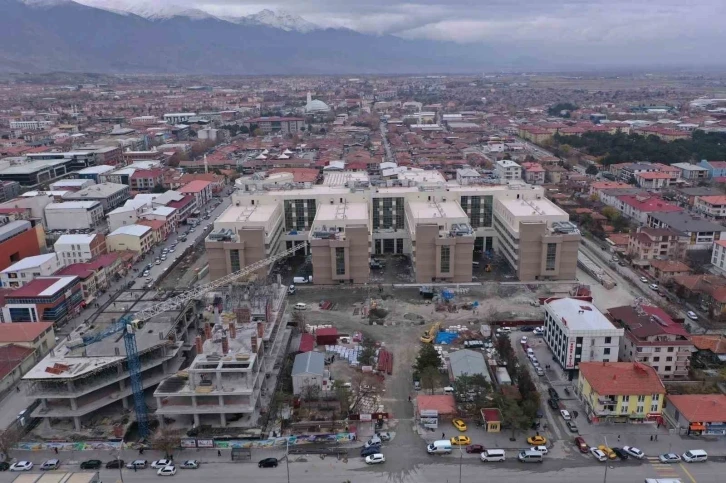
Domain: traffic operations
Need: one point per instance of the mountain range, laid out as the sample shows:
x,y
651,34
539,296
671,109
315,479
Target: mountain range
x,y
62,35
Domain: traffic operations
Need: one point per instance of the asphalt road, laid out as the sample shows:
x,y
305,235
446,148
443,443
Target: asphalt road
x,y
432,469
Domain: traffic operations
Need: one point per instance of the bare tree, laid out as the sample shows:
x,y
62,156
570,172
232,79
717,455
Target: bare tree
x,y
429,377
8,439
310,392
166,440
363,386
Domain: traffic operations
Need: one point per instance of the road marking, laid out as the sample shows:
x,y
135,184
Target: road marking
x,y
693,480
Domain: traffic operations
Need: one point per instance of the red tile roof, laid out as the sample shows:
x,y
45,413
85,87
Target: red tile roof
x,y
621,378
671,266
701,408
713,343
34,287
443,403
22,332
650,205
194,186
11,356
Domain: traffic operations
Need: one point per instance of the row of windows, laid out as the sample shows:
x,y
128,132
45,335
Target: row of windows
x,y
340,261
479,209
445,259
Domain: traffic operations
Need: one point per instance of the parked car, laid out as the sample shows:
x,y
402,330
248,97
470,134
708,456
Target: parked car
x,y
167,471
571,426
138,464
537,440
565,414
692,315
4,466
553,404
50,465
620,453
384,436
370,450
669,458
553,393
21,466
375,459
190,465
91,465
267,463
653,286
474,448
607,451
634,452
644,280
459,424
115,464
291,290
581,444
301,306
540,449
161,464
598,455
461,440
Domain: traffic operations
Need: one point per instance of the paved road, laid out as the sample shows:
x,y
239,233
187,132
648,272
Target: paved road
x,y
433,470
384,135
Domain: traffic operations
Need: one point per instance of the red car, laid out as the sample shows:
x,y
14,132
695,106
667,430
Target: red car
x,y
475,448
582,445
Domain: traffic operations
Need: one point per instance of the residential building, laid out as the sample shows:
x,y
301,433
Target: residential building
x,y
236,366
696,414
692,172
687,196
9,190
283,125
110,195
664,271
649,243
146,180
94,172
699,233
45,299
308,372
18,240
711,207
31,174
21,346
653,338
638,207
628,171
656,180
507,169
716,169
537,239
201,190
75,382
718,256
135,238
340,241
79,248
79,215
95,275
577,332
71,184
27,269
533,173
620,392
554,173
467,363
16,361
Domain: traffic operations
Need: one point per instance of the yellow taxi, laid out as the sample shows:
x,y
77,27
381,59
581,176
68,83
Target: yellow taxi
x,y
459,424
537,440
461,440
608,452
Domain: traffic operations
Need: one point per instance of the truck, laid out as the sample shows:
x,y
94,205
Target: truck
x,y
486,331
503,376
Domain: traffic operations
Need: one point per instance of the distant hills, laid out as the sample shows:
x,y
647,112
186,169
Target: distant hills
x,y
62,35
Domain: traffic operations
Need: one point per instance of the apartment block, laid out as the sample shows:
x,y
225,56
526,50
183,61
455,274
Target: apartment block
x,y
24,271
649,243
711,207
79,248
508,170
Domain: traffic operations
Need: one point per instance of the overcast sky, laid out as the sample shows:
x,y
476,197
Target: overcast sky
x,y
656,30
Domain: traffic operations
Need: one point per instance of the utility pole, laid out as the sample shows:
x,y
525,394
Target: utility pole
x,y
607,463
461,461
118,460
287,457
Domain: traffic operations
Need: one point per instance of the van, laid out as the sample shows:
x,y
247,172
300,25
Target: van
x,y
694,455
50,465
300,306
529,456
449,390
442,446
300,280
493,455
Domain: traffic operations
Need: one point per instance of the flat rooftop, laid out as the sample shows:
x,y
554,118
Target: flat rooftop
x,y
254,215
579,315
342,214
425,211
340,178
532,207
418,175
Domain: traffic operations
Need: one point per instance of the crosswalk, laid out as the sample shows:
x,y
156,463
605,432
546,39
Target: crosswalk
x,y
664,470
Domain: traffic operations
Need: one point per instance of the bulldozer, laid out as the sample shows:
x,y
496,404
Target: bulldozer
x,y
430,335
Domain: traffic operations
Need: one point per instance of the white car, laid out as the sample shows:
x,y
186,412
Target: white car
x,y
538,331
653,286
669,458
161,463
21,466
540,449
300,306
190,465
167,471
692,315
599,455
565,414
524,340
643,279
375,459
634,452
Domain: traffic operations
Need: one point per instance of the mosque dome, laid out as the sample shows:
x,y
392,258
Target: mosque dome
x,y
315,105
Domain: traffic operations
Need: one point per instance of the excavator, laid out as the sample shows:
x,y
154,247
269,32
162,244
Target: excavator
x,y
430,335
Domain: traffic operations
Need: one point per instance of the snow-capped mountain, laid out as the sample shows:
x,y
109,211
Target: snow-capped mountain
x,y
150,10
281,19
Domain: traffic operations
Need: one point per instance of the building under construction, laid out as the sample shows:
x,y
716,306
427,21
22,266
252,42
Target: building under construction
x,y
238,356
89,384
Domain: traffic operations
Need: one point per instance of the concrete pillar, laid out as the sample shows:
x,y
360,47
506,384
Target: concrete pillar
x,y
162,423
122,384
194,402
125,402
77,423
46,423
218,376
221,400
223,419
164,366
74,404
70,386
196,420
44,404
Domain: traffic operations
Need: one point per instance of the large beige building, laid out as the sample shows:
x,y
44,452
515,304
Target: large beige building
x,y
135,238
440,224
537,239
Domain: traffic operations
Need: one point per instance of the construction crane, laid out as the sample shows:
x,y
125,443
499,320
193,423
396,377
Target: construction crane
x,y
129,324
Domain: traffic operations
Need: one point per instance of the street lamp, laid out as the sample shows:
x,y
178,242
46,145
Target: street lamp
x,y
461,461
287,457
118,461
607,463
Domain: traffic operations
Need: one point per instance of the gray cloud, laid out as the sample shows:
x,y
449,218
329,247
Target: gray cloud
x,y
650,29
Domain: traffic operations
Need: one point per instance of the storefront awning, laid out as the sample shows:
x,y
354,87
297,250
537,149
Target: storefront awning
x,y
697,427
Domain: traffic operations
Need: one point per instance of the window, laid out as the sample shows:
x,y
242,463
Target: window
x,y
641,398
654,408
445,259
639,410
656,359
608,340
655,397
551,260
624,410
340,261
668,368
657,349
606,351
669,359
626,398
670,349
234,260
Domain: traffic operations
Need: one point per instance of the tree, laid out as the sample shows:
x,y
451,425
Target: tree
x,y
310,392
158,189
166,440
363,386
429,377
610,213
592,170
513,416
8,439
427,357
471,388
368,353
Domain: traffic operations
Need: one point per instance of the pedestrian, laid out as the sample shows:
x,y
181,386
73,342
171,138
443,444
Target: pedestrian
x,y
409,398
55,450
219,452
443,435
134,468
17,388
656,437
651,437
618,437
